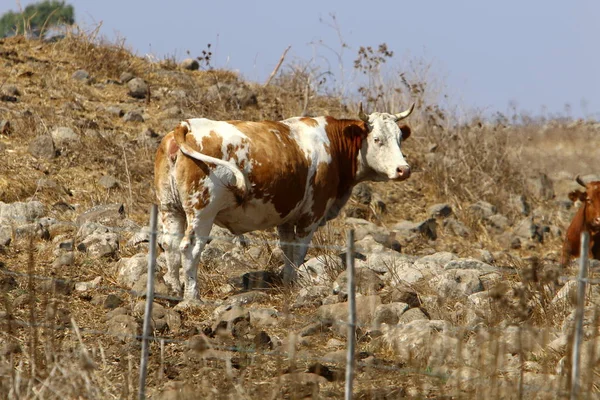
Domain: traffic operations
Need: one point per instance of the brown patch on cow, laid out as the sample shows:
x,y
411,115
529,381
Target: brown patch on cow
x,y
346,137
584,220
335,180
309,121
279,171
211,145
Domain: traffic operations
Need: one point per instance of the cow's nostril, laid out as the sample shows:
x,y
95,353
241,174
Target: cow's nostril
x,y
403,171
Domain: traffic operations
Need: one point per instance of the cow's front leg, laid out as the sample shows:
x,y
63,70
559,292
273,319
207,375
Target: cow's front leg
x,y
303,238
287,244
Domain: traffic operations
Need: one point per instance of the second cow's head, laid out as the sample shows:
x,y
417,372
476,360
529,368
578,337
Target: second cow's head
x,y
381,153
591,200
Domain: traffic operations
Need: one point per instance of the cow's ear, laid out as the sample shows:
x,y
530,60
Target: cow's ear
x,y
405,129
577,195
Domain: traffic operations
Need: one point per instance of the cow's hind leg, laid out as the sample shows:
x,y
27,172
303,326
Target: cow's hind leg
x,y
196,237
173,223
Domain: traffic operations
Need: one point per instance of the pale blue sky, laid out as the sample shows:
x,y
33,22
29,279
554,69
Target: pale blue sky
x,y
539,54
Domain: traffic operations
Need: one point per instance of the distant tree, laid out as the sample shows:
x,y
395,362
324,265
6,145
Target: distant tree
x,y
37,17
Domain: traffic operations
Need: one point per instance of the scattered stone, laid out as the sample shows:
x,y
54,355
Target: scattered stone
x,y
5,127
158,311
541,186
11,347
400,292
526,229
106,214
115,110
130,269
258,280
9,99
457,283
314,328
247,298
57,286
124,327
366,282
140,286
338,313
378,204
126,77
262,317
228,320
412,341
470,263
509,240
108,182
190,64
389,313
519,204
10,90
311,296
64,259
112,301
81,75
427,228
298,385
498,222
412,314
64,137
138,88
316,271
439,210
42,147
482,209
97,240
5,235
85,286
133,116
7,282
456,227
262,341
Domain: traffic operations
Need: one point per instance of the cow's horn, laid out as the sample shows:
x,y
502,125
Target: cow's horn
x,y
580,181
361,114
405,114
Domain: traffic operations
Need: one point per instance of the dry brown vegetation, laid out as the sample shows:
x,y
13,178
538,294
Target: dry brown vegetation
x,y
56,347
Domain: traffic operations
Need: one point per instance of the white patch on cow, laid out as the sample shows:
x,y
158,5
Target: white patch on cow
x,y
232,138
313,141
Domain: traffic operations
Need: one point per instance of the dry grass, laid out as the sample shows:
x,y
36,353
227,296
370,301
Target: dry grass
x,y
453,163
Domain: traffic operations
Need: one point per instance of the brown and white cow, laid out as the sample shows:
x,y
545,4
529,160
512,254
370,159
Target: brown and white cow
x,y
294,174
587,219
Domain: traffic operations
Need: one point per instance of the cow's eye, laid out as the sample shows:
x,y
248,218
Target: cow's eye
x,y
376,140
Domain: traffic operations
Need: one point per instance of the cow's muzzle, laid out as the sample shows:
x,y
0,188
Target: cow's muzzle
x,y
595,224
402,173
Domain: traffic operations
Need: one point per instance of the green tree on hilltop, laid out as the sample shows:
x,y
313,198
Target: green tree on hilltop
x,y
37,17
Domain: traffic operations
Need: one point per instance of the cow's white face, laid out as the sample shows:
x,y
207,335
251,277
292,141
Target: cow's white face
x,y
381,150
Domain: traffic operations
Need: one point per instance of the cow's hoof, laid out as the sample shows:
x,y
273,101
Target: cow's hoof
x,y
189,304
175,288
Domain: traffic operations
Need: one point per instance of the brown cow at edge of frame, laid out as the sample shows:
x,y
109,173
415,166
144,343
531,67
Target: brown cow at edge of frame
x,y
586,219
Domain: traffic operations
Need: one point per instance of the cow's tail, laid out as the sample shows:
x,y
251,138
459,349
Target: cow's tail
x,y
241,187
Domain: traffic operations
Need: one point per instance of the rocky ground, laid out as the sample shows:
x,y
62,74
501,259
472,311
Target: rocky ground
x,y
458,284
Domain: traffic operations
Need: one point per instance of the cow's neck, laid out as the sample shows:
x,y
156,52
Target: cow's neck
x,y
346,139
